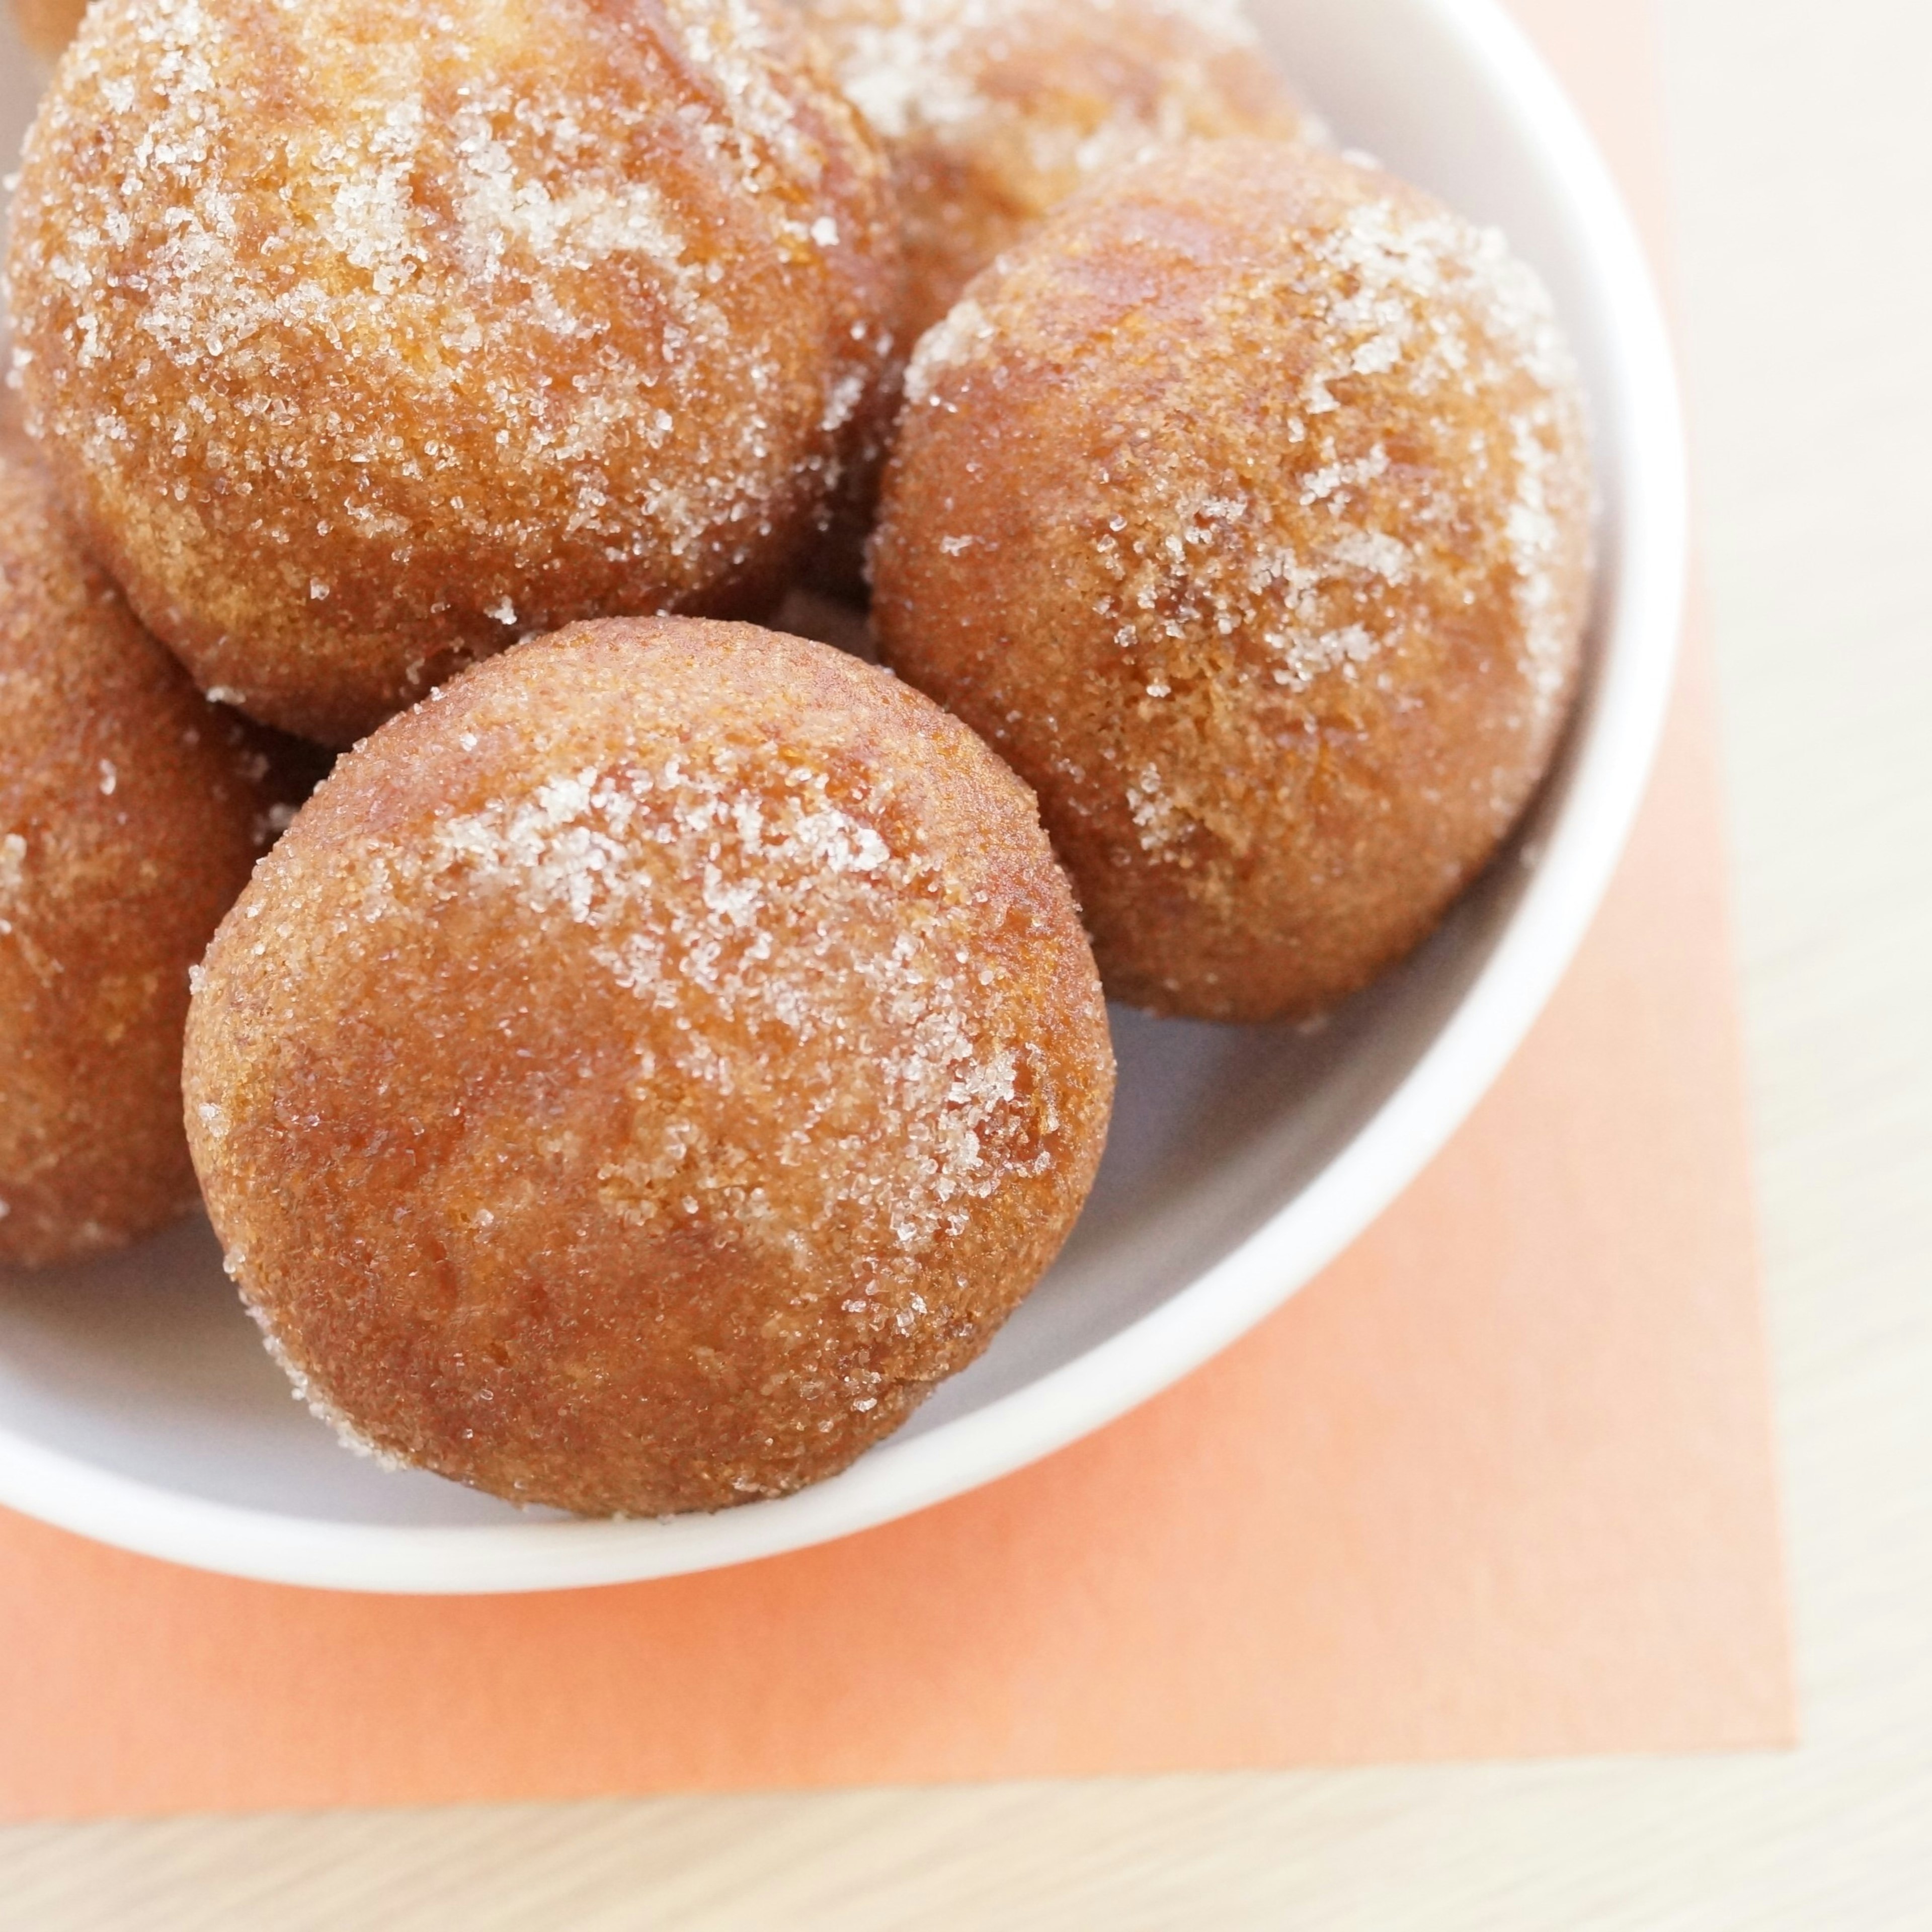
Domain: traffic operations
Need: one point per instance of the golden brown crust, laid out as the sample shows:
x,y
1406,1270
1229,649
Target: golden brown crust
x,y
647,1067
363,345
993,112
1245,509
131,812
47,25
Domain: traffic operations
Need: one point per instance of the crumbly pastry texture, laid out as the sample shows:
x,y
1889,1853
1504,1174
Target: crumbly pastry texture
x,y
993,112
646,1068
1245,510
130,812
367,336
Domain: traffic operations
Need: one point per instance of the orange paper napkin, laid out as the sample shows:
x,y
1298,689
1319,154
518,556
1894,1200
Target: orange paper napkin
x,y
1498,1483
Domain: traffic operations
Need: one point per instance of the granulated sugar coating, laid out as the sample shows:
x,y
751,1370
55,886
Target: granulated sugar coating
x,y
368,336
131,812
1245,509
993,112
647,1068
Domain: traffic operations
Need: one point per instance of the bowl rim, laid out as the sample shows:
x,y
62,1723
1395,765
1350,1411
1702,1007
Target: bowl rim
x,y
1613,759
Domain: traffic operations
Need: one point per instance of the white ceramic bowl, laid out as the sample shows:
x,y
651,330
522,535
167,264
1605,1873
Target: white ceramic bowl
x,y
136,1404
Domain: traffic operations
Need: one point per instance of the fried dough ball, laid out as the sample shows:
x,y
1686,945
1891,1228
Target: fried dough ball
x,y
131,812
992,112
647,1068
47,25
1245,510
368,335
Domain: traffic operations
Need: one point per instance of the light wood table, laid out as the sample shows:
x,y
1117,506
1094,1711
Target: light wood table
x,y
1803,169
